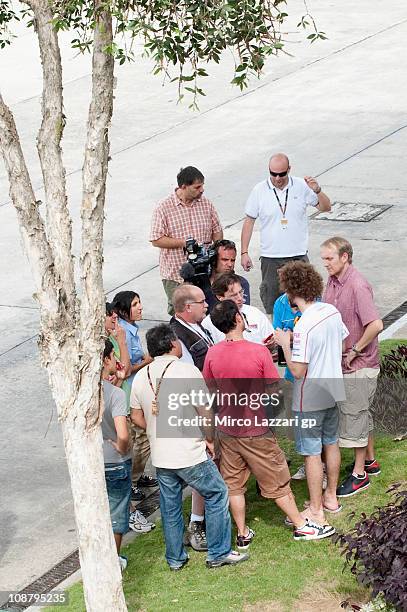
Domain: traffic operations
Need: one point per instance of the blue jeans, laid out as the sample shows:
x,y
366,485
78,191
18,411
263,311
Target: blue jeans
x,y
118,486
206,479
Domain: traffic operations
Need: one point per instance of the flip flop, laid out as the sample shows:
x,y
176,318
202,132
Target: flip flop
x,y
333,510
326,508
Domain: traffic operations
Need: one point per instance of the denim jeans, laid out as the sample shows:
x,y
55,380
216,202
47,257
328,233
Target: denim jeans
x,y
118,486
206,479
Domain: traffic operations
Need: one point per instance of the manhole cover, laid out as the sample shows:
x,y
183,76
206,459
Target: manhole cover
x,y
352,211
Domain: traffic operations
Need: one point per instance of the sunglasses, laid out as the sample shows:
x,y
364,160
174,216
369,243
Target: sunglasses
x,y
280,174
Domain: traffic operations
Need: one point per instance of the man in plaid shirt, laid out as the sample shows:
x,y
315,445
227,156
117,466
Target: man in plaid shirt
x,y
186,213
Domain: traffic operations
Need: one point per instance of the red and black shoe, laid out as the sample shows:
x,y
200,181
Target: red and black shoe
x,y
372,467
353,485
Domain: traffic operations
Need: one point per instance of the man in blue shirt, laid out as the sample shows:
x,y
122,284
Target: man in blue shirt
x,y
285,317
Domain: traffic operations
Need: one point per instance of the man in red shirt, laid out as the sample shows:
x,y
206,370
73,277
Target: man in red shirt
x,y
352,295
242,372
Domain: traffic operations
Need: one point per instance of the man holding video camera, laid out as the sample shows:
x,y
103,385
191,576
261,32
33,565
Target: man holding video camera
x,y
183,214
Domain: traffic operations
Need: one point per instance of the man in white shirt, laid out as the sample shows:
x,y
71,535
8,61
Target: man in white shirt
x,y
258,327
181,459
315,362
280,202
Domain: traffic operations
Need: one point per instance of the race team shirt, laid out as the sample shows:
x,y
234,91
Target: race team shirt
x,y
317,341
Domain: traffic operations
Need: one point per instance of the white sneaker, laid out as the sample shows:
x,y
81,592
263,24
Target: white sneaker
x,y
123,562
139,523
300,473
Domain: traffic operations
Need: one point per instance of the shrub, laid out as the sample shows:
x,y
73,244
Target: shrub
x,y
377,549
390,402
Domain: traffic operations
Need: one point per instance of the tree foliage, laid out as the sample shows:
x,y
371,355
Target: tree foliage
x,y
180,36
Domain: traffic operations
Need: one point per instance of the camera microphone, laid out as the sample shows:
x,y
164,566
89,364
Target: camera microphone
x,y
187,271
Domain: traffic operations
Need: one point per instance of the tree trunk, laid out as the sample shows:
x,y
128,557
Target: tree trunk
x,y
97,551
72,354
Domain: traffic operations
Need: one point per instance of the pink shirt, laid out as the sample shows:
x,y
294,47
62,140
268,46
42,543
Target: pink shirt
x,y
241,369
175,219
352,295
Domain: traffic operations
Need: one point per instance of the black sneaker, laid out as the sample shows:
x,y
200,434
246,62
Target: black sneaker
x,y
372,468
147,481
137,494
195,536
177,568
352,485
243,541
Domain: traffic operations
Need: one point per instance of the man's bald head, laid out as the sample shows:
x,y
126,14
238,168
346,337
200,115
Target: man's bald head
x,y
280,157
189,302
279,167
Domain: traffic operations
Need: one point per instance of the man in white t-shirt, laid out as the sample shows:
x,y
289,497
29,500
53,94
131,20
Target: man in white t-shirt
x,y
181,459
280,203
258,326
315,362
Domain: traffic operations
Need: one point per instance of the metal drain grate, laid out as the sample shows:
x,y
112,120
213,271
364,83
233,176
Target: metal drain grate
x,y
48,581
352,211
394,315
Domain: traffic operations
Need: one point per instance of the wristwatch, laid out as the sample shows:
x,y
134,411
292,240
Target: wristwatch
x,y
355,350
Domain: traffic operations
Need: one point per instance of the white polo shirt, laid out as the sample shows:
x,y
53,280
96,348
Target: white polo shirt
x,y
317,341
258,325
282,239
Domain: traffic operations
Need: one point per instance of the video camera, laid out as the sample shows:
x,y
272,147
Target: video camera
x,y
197,268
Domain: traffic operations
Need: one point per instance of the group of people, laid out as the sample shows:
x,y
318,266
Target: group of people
x,y
217,342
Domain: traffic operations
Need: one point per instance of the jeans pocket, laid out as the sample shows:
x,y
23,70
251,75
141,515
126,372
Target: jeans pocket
x,y
115,473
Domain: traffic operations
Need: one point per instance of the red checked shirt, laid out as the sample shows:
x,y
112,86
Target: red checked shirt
x,y
175,219
353,297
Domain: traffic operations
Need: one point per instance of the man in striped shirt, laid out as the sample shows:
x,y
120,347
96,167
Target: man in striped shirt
x,y
186,213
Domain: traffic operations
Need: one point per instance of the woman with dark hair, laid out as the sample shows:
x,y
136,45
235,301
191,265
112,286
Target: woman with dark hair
x,y
117,336
128,307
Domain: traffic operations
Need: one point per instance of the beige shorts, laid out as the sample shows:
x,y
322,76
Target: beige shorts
x,y
260,456
355,417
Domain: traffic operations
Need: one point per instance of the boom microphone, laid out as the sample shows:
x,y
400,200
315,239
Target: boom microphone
x,y
187,271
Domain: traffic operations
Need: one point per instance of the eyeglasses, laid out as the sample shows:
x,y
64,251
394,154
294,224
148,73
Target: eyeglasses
x,y
200,302
280,174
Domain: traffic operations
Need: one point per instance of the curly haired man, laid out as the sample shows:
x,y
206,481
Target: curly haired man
x,y
315,362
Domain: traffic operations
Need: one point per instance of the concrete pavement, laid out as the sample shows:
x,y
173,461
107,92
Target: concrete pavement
x,y
337,108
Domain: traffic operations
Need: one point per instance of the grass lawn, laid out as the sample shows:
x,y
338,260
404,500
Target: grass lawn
x,y
280,574
388,345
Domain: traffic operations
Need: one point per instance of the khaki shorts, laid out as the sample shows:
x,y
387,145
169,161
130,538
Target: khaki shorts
x,y
260,456
169,288
355,417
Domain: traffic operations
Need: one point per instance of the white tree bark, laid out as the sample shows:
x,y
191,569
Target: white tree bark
x,y
71,346
59,224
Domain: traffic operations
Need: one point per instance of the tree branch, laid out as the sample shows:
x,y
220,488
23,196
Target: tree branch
x,y
94,186
30,221
59,224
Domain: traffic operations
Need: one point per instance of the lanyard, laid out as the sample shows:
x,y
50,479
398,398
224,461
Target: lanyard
x,y
207,337
154,403
279,203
